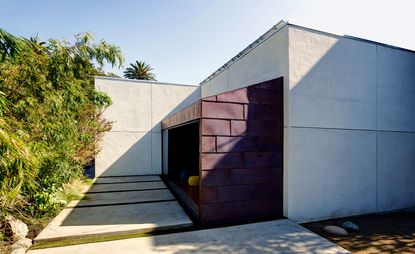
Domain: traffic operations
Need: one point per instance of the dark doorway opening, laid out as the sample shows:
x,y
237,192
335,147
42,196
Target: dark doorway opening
x,y
183,162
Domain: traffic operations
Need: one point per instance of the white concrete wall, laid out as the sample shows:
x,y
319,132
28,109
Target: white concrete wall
x,y
349,120
266,61
332,173
350,145
133,146
165,151
396,167
396,90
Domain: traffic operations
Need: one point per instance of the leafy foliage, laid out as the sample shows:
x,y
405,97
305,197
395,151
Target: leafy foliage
x,y
139,70
50,116
8,45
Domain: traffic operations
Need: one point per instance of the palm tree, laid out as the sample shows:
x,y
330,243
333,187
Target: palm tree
x,y
140,70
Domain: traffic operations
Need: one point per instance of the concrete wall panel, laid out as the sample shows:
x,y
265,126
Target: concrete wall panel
x,y
286,171
217,85
167,100
124,153
396,89
332,173
338,86
130,110
396,162
133,146
156,147
266,61
165,146
332,81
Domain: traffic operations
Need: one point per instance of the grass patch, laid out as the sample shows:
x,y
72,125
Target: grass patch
x,y
74,190
85,240
122,236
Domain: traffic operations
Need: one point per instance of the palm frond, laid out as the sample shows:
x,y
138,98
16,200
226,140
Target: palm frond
x,y
140,70
9,45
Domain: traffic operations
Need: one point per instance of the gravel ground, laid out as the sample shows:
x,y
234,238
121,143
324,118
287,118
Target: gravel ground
x,y
379,233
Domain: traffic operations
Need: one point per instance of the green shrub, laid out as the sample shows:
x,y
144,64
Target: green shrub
x,y
47,202
50,117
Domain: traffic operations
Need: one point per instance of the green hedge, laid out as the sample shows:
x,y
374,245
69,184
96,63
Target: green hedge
x,y
50,116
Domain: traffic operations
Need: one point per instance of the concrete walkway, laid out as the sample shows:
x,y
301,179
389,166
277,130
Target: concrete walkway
x,y
281,236
116,205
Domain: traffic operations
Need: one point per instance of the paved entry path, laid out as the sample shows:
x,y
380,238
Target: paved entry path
x,y
281,236
116,205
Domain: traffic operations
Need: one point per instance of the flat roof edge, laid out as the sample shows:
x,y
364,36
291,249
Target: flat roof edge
x,y
141,81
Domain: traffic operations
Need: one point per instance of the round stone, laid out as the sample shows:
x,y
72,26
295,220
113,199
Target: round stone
x,y
18,229
22,243
18,251
335,230
350,226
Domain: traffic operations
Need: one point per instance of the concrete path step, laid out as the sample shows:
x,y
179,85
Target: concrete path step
x,y
126,179
282,236
114,198
73,223
117,208
113,187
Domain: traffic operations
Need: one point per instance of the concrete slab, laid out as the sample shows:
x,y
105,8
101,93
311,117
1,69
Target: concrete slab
x,y
73,223
113,198
114,207
126,186
282,236
126,179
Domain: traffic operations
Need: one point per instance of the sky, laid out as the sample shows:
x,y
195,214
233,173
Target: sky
x,y
187,40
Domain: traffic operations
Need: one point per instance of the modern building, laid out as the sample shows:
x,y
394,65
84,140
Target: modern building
x,y
302,123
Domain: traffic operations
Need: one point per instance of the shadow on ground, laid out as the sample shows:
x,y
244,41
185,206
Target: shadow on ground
x,y
263,239
279,236
379,233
